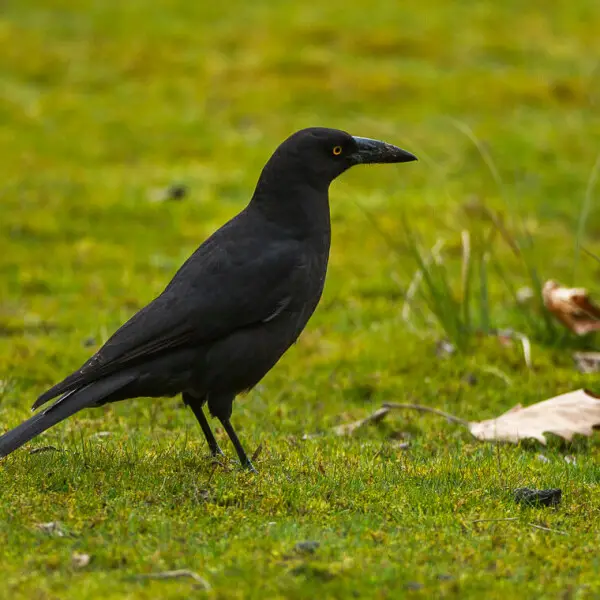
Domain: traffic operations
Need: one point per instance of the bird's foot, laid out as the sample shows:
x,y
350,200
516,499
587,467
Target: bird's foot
x,y
248,466
216,452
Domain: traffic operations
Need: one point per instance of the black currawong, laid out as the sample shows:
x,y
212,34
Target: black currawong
x,y
235,306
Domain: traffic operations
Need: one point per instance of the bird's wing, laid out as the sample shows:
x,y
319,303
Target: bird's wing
x,y
224,286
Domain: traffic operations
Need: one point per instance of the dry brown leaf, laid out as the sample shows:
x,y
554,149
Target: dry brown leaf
x,y
572,306
564,415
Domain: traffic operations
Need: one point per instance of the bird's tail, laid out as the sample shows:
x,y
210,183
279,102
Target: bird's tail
x,y
67,405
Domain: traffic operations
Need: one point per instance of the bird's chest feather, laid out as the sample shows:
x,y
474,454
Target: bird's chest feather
x,y
312,280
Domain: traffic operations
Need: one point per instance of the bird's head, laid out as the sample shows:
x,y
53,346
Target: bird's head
x,y
320,154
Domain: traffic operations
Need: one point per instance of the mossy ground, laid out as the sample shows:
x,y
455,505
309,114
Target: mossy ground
x,y
103,104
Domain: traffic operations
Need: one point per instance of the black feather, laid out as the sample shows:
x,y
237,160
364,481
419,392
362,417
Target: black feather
x,y
64,407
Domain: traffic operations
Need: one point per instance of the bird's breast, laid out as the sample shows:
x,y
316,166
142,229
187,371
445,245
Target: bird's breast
x,y
315,271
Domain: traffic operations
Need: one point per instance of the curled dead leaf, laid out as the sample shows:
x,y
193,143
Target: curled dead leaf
x,y
572,306
564,415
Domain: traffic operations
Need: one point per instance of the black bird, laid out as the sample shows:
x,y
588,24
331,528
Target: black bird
x,y
235,306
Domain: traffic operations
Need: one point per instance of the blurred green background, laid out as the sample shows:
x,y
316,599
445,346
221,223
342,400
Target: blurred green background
x,y
105,105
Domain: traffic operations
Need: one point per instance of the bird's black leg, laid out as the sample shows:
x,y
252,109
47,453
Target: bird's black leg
x,y
196,407
246,463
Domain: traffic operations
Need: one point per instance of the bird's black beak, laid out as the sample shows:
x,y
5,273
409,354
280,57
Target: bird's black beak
x,y
374,151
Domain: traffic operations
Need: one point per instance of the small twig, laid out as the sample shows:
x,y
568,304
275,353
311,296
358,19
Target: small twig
x,y
44,449
177,575
493,520
429,409
348,428
216,465
547,529
257,452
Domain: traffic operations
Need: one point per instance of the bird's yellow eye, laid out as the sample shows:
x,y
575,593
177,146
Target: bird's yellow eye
x,y
337,150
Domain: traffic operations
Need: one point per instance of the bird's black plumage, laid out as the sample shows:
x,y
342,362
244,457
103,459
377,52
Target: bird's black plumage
x,y
235,306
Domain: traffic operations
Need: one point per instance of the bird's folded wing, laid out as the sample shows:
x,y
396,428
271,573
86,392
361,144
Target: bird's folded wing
x,y
216,292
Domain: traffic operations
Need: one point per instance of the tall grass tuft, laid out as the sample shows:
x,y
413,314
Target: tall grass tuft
x,y
459,303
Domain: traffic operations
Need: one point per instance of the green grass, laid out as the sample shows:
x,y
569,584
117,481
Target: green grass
x,y
104,103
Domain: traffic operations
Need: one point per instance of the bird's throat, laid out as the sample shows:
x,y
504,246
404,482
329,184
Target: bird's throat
x,y
302,212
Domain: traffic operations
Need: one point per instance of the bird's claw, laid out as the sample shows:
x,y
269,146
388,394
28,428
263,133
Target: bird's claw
x,y
248,466
217,452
